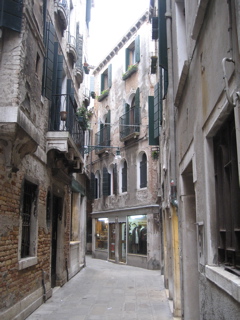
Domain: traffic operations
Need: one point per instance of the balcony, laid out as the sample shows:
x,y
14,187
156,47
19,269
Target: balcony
x,y
71,47
61,9
102,139
130,124
65,132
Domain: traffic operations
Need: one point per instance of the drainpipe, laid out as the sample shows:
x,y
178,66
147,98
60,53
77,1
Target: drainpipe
x,y
66,264
44,286
172,137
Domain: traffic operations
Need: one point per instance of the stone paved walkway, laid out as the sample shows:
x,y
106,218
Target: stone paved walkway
x,y
108,291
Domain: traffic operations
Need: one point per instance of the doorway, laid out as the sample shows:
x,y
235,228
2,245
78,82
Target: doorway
x,y
56,214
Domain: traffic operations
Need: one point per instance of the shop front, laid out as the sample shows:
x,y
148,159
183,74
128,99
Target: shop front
x,y
128,236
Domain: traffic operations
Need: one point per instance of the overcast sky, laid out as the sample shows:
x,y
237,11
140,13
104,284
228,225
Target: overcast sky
x,y
110,20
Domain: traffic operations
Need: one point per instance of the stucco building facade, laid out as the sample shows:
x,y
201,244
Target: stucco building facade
x,y
199,163
119,160
42,188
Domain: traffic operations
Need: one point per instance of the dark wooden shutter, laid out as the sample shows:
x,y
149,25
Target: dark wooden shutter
x,y
154,28
102,82
162,34
108,120
137,49
106,182
124,177
137,108
152,140
109,76
70,103
92,186
127,59
143,171
115,179
49,62
11,14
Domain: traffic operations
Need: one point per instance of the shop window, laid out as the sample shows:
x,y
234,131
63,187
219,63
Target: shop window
x,y
29,220
101,233
137,234
227,194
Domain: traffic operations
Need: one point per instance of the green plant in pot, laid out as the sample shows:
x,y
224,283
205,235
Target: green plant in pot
x,y
83,115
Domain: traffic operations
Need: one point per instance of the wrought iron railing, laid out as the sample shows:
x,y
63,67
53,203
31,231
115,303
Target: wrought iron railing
x,y
129,123
63,118
102,138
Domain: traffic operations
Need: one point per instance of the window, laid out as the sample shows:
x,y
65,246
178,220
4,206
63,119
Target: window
x,y
101,233
29,220
95,185
11,14
143,171
227,194
113,178
102,137
130,121
132,53
106,182
106,78
137,234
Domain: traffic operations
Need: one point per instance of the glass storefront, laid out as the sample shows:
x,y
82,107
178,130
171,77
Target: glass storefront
x,y
137,234
102,233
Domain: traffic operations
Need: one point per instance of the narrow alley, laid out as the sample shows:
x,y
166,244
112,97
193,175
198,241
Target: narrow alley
x,y
104,290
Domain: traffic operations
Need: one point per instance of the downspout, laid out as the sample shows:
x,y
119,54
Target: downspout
x,y
44,286
172,135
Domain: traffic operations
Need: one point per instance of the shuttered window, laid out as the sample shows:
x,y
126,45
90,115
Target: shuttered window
x,y
143,171
106,78
227,194
152,140
11,14
132,53
115,179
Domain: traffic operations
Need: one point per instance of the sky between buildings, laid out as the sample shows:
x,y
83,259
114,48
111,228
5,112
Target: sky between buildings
x,y
110,20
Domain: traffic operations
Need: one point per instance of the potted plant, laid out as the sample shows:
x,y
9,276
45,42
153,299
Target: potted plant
x,y
103,95
83,115
155,154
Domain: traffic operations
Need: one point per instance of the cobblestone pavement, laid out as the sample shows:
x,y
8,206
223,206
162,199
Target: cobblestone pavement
x,y
108,291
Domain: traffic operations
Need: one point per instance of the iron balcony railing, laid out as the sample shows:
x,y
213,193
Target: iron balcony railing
x,y
129,123
102,139
63,118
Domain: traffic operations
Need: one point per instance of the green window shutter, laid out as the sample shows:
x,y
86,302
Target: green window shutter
x,y
156,112
143,171
106,182
11,14
165,83
70,105
126,59
102,82
109,76
137,108
49,62
124,177
115,179
79,48
92,186
154,28
162,34
88,11
151,140
137,49
108,128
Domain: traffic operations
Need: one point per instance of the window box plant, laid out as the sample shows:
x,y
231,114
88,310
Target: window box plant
x,y
131,69
103,95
